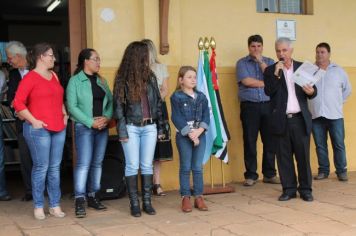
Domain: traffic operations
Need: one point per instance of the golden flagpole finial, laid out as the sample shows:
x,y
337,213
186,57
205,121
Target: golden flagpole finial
x,y
201,43
212,43
206,43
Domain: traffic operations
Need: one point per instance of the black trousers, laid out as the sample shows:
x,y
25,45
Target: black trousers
x,y
294,141
25,158
255,119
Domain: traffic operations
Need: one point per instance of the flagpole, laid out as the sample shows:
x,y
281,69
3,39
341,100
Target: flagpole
x,y
213,46
200,44
222,174
204,45
211,173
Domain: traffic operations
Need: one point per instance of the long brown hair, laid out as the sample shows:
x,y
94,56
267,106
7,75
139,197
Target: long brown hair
x,y
37,50
181,73
133,73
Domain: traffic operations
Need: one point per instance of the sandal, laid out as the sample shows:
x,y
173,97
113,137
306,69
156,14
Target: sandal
x,y
158,191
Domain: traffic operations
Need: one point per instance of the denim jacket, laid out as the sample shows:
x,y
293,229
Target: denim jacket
x,y
189,112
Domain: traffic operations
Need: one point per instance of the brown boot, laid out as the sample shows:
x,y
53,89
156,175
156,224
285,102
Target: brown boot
x,y
186,205
200,204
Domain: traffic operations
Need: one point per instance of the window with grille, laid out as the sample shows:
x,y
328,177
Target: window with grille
x,y
285,6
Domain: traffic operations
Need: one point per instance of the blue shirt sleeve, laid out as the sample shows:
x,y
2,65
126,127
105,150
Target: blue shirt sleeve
x,y
241,70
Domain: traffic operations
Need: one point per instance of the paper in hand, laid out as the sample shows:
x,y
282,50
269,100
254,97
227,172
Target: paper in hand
x,y
307,73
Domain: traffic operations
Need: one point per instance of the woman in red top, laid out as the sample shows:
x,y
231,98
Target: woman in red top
x,y
39,100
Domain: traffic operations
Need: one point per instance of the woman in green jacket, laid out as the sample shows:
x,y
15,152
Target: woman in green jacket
x,y
89,102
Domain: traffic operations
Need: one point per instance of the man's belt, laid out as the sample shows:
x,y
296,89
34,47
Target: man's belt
x,y
293,115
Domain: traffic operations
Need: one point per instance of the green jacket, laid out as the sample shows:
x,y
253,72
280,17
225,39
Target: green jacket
x,y
80,99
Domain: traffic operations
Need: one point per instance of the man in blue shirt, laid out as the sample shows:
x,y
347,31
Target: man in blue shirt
x,y
327,114
255,111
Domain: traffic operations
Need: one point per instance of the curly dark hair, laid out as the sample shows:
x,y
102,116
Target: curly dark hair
x,y
134,72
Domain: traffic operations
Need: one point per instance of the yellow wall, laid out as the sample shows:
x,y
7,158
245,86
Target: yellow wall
x,y
230,22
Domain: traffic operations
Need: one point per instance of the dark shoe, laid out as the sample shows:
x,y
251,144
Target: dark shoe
x,y
308,197
131,183
80,207
286,197
95,203
27,197
272,180
158,191
147,183
186,204
342,177
200,204
6,197
321,176
249,182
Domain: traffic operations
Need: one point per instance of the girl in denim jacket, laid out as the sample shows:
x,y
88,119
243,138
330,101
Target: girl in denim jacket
x,y
190,116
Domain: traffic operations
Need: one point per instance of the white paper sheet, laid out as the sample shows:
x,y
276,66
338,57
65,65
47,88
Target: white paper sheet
x,y
307,73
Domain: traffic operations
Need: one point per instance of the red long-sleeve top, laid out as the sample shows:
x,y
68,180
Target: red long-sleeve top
x,y
43,98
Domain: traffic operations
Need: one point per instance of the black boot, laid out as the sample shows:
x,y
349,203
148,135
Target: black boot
x,y
95,203
80,207
131,182
147,183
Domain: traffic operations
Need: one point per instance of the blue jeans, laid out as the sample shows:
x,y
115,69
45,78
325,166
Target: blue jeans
x,y
140,149
90,147
3,191
46,149
321,126
190,160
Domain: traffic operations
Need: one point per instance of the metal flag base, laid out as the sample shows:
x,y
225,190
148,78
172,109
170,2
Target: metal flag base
x,y
218,189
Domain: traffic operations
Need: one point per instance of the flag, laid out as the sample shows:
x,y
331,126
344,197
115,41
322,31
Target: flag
x,y
203,87
222,153
214,139
218,141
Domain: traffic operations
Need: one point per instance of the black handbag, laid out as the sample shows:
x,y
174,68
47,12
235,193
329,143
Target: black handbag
x,y
164,149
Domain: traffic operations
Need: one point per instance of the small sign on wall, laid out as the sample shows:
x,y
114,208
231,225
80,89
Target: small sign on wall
x,y
107,15
287,29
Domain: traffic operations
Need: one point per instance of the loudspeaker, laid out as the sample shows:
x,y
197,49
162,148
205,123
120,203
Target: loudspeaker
x,y
113,171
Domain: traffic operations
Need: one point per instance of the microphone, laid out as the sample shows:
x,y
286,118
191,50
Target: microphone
x,y
280,73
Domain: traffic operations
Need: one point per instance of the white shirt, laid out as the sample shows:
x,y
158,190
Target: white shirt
x,y
161,73
23,72
333,89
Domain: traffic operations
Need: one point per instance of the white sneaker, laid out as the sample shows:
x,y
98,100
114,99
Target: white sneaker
x,y
39,214
57,212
